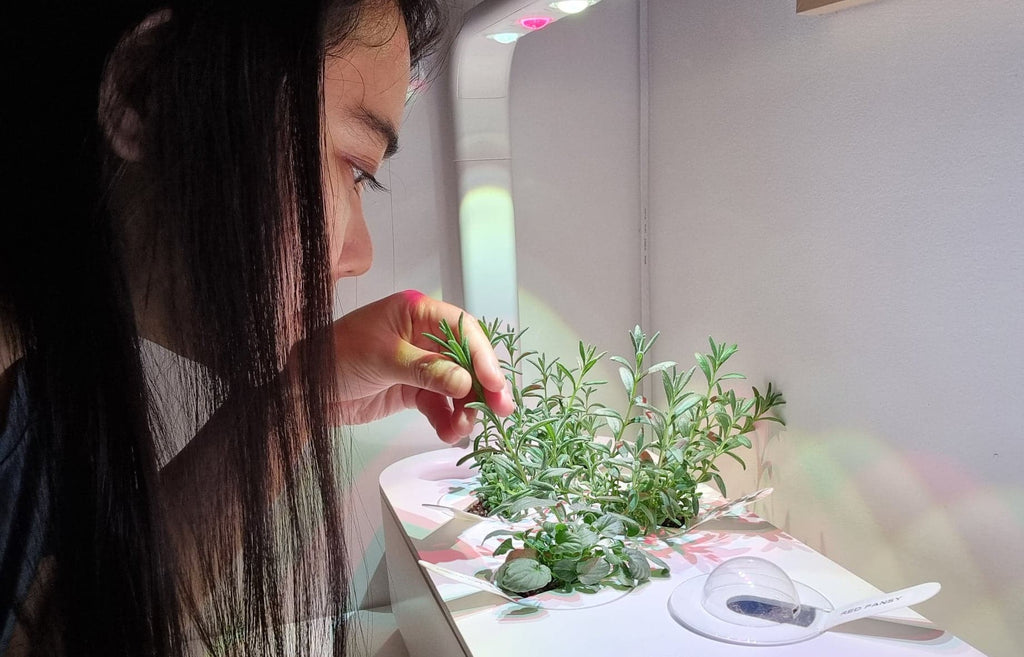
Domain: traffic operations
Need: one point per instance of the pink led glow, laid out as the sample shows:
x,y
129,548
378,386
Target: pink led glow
x,y
534,22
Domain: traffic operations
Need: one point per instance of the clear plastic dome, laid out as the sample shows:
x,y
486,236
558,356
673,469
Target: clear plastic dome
x,y
749,601
750,591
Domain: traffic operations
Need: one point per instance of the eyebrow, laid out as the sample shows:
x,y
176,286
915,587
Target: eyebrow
x,y
382,127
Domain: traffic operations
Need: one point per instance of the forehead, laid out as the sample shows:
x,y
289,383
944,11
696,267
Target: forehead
x,y
370,68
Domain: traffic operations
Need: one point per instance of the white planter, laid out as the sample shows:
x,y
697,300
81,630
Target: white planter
x,y
441,618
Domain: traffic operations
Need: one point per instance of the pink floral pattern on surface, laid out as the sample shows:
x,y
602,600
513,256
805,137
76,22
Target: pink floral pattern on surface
x,y
702,549
730,537
769,537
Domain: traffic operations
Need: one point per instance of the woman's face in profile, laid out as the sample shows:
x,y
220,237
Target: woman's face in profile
x,y
364,99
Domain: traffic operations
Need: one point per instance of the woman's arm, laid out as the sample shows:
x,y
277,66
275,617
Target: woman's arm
x,y
384,365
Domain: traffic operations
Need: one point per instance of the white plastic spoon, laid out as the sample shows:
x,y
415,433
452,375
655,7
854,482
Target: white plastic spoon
x,y
745,600
719,510
819,620
458,514
881,603
475,582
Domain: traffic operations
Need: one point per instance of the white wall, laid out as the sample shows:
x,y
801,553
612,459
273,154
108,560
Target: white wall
x,y
842,196
575,150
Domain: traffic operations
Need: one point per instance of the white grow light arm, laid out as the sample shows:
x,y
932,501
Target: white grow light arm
x,y
480,90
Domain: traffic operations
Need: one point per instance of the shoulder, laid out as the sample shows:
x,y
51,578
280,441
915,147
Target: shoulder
x,y
14,416
10,355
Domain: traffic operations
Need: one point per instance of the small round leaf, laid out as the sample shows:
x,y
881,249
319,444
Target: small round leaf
x,y
522,575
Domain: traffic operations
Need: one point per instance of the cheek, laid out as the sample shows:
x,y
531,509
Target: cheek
x,y
337,209
337,213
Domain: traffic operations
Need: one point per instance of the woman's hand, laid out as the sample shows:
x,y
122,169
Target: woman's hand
x,y
386,365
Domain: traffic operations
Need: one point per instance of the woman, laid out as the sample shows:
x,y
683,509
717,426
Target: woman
x,y
190,174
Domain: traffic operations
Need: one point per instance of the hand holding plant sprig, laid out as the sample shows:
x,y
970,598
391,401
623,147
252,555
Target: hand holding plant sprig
x,y
597,478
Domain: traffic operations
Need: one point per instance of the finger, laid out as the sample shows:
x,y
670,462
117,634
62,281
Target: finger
x,y
485,362
464,419
438,412
429,370
500,402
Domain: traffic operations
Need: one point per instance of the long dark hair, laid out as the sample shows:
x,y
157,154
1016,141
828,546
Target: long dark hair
x,y
228,197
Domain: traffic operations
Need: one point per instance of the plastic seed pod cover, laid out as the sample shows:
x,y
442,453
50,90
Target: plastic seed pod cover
x,y
749,580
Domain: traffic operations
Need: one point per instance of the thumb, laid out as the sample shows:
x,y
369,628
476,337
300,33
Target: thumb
x,y
431,371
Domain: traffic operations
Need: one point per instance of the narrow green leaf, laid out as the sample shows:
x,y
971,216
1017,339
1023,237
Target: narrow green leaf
x,y
686,377
525,503
477,454
737,458
431,336
701,455
621,361
538,425
689,401
668,384
661,367
499,532
655,560
705,367
603,411
506,546
628,381
719,482
566,372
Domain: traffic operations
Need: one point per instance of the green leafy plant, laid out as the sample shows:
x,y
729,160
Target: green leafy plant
x,y
597,477
578,554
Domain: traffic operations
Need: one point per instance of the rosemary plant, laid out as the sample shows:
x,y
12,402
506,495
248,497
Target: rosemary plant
x,y
597,478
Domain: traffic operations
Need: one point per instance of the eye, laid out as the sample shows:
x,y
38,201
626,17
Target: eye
x,y
361,178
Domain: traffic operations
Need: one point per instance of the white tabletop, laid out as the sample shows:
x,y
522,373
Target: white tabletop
x,y
634,623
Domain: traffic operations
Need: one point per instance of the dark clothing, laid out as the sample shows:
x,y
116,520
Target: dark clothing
x,y
24,510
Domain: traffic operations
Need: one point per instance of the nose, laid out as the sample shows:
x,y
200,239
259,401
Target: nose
x,y
357,249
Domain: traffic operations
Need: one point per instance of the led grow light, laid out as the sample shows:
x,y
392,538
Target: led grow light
x,y
572,6
504,37
535,22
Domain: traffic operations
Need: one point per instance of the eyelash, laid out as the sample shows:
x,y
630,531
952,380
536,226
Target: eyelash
x,y
363,178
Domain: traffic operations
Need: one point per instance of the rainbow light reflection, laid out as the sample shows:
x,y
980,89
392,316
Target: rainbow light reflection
x,y
487,226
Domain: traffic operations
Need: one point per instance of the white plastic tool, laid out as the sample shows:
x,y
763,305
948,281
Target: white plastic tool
x,y
474,582
458,514
751,601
